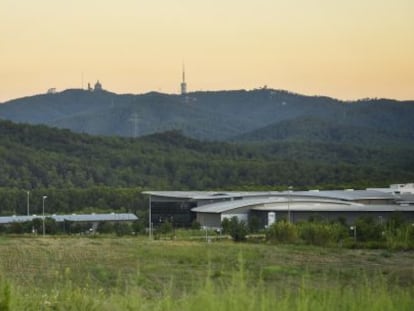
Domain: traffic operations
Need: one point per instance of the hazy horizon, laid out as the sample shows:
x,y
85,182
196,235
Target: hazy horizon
x,y
347,50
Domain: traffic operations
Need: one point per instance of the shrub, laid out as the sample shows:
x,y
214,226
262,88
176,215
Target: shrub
x,y
122,229
254,224
51,226
195,225
225,224
165,228
400,238
321,233
76,227
237,229
105,227
37,224
396,220
368,229
282,232
16,227
138,226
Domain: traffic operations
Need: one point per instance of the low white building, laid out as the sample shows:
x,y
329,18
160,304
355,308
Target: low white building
x,y
210,208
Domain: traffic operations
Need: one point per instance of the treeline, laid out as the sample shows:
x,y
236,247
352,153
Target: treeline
x,y
38,157
15,201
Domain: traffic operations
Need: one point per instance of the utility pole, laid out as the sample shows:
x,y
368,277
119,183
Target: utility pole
x,y
135,119
289,191
149,219
43,209
28,203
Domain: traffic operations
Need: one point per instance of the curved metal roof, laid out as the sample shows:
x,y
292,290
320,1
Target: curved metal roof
x,y
221,207
346,195
311,204
202,195
315,207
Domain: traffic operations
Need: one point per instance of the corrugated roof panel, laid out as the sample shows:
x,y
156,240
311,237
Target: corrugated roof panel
x,y
337,208
329,194
73,217
347,195
221,207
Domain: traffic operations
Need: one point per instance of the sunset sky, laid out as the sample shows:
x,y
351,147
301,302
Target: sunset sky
x,y
346,49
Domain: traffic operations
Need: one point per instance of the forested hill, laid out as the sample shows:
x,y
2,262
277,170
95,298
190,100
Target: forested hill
x,y
257,115
37,157
315,129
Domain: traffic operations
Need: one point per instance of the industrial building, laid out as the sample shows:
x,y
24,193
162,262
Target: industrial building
x,y
210,208
74,218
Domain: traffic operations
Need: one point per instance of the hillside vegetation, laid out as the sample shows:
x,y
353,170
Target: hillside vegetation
x,y
257,115
314,129
41,157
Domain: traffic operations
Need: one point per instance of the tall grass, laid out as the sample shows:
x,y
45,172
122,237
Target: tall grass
x,y
400,238
369,294
4,295
137,274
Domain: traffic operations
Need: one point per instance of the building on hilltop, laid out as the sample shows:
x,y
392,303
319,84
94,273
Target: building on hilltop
x,y
98,86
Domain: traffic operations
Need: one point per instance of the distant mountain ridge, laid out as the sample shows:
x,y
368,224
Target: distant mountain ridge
x,y
254,116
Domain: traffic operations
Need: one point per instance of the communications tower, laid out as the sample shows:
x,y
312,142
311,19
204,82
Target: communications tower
x,y
183,84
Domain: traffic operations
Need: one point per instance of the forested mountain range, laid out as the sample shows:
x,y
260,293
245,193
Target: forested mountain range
x,y
41,157
254,116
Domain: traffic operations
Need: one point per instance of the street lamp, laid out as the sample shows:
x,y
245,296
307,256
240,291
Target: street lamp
x,y
28,203
354,229
149,219
44,198
289,190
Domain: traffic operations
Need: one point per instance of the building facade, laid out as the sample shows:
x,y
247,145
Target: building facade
x,y
210,208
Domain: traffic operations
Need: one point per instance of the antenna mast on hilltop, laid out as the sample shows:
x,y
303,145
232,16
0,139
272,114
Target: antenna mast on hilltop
x,y
183,83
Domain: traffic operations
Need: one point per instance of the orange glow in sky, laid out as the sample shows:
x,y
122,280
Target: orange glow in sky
x,y
345,49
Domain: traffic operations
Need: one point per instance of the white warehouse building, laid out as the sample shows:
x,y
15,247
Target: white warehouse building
x,y
210,208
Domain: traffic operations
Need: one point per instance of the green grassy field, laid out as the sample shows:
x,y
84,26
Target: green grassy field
x,y
108,273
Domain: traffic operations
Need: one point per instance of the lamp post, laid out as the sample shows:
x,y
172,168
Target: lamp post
x,y
206,228
289,190
354,229
28,203
43,210
149,219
